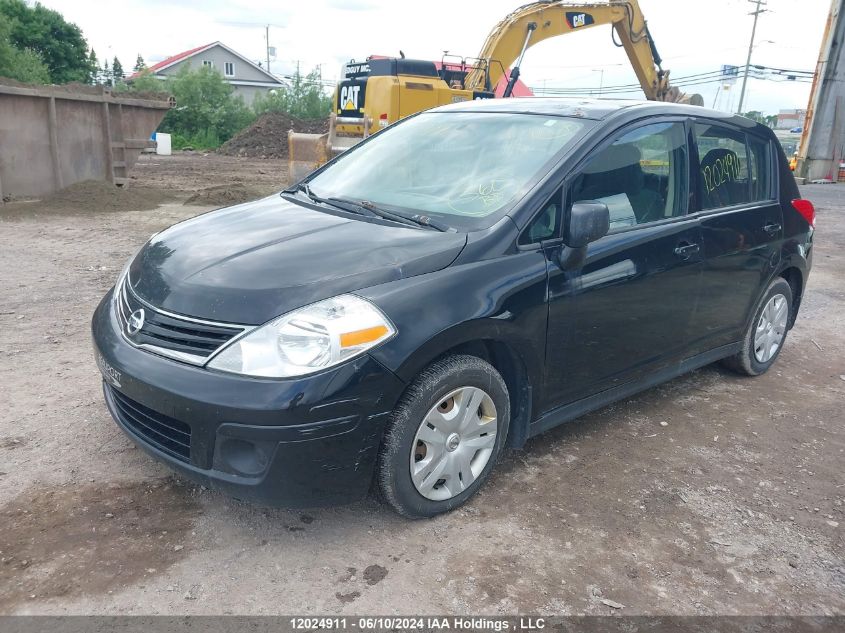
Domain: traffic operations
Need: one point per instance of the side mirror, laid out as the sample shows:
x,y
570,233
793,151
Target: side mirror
x,y
588,221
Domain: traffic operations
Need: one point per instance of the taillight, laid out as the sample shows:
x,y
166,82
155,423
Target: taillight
x,y
806,209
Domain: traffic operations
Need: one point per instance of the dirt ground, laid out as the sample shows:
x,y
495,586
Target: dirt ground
x,y
711,494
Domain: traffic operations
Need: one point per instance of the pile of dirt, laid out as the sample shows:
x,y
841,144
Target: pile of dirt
x,y
268,136
94,196
225,195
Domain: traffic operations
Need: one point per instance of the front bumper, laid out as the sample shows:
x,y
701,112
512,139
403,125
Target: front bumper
x,y
294,442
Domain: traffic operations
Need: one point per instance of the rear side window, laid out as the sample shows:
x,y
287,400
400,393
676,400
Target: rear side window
x,y
761,168
723,178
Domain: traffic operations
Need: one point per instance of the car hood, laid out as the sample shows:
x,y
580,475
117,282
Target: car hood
x,y
252,262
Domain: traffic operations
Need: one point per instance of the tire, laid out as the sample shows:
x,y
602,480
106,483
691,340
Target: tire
x,y
750,360
440,395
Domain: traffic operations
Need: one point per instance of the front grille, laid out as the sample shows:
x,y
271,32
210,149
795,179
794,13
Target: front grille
x,y
164,433
180,337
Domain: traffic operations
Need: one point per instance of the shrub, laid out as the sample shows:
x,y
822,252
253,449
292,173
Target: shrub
x,y
207,113
303,99
21,64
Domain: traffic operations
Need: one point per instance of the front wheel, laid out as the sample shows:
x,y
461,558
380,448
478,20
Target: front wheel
x,y
444,437
766,332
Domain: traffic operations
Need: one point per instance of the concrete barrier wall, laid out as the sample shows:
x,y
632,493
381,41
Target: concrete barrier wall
x,y
54,136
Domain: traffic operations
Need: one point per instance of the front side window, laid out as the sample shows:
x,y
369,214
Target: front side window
x,y
229,69
207,63
723,166
465,168
641,177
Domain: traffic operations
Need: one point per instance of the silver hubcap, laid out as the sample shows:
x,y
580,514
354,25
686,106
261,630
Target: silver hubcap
x,y
454,443
771,328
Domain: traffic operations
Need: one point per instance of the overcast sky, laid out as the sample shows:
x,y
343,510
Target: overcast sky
x,y
692,37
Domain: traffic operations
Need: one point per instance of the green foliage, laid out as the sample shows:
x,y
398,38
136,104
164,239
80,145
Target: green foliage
x,y
205,106
206,139
140,65
29,68
105,76
304,99
116,71
145,82
23,65
59,44
93,67
765,119
207,113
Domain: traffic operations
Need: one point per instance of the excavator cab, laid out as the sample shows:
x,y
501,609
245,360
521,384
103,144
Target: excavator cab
x,y
370,96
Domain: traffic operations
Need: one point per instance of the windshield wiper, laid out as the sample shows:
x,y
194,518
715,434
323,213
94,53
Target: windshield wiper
x,y
365,207
338,203
397,216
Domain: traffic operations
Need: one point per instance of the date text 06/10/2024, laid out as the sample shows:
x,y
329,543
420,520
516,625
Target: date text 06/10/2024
x,y
411,623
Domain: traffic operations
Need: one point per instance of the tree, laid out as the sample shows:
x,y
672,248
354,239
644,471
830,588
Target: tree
x,y
105,74
207,112
93,67
23,65
116,71
140,65
58,43
146,82
304,98
765,119
205,105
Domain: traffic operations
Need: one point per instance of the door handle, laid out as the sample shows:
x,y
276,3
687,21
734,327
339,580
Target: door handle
x,y
685,250
772,229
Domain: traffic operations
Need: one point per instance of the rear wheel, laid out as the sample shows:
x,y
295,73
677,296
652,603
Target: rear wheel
x,y
766,332
444,437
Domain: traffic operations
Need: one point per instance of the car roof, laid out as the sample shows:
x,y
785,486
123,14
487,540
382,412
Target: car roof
x,y
588,108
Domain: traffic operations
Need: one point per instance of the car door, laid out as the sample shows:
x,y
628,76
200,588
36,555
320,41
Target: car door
x,y
741,222
627,310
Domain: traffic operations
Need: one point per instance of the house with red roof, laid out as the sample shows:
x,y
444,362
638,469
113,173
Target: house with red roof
x,y
246,77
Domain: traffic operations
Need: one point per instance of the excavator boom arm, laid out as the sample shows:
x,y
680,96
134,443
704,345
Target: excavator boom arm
x,y
538,21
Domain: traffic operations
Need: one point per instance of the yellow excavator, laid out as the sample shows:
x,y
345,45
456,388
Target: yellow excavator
x,y
382,90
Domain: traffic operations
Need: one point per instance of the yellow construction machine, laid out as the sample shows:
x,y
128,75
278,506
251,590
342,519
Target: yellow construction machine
x,y
382,90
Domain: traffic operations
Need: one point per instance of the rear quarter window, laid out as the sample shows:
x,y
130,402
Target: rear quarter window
x,y
761,168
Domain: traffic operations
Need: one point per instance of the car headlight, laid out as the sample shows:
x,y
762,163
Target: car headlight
x,y
307,340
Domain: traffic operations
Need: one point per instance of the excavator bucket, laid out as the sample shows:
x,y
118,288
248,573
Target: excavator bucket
x,y
674,95
306,152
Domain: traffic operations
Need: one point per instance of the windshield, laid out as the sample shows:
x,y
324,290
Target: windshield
x,y
457,166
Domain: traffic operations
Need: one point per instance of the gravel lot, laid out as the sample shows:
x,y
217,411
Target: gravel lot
x,y
711,494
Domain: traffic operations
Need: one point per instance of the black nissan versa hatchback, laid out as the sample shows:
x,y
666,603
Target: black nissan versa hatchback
x,y
455,284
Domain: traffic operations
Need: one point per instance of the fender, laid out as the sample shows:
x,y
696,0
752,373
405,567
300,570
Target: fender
x,y
496,301
794,254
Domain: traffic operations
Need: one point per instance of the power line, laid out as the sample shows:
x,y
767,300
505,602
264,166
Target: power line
x,y
711,77
632,86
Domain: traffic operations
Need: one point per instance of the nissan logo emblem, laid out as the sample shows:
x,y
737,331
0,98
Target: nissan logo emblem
x,y
136,322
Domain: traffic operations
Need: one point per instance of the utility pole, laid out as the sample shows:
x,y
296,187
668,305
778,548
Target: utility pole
x,y
267,42
756,13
